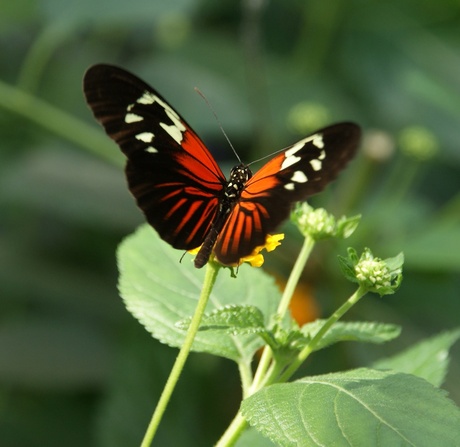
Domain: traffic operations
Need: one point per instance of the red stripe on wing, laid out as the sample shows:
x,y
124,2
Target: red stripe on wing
x,y
244,230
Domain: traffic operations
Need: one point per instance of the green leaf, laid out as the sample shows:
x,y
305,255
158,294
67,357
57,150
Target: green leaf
x,y
233,319
361,407
159,291
428,359
368,332
347,268
346,226
396,262
252,438
287,344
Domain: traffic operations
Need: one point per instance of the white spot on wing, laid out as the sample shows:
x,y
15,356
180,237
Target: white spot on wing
x,y
289,161
174,132
169,110
151,150
316,164
299,177
146,137
318,140
291,157
132,118
289,186
174,117
147,98
299,145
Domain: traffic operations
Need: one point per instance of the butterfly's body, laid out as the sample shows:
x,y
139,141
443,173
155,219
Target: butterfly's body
x,y
231,194
181,189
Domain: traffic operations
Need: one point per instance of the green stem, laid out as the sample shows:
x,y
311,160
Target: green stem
x,y
233,432
294,277
59,122
344,308
210,278
264,374
246,377
291,284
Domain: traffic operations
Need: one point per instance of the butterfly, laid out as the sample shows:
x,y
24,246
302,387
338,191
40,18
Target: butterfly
x,y
181,189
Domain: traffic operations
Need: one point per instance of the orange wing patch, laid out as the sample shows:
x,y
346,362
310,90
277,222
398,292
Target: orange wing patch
x,y
243,231
198,159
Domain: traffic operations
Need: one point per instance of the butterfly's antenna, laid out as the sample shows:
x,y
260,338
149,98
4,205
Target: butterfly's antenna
x,y
267,156
218,122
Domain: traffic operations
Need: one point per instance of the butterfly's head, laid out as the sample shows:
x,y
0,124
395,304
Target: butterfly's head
x,y
239,175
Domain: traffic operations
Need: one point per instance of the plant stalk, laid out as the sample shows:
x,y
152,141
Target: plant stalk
x,y
342,310
210,278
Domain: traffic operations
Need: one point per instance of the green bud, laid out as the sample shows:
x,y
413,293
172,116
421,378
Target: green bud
x,y
374,274
319,224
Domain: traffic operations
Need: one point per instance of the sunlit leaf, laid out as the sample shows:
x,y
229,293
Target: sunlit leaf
x,y
233,319
428,359
160,291
368,332
362,407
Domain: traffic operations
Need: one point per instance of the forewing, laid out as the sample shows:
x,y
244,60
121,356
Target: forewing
x,y
295,174
174,178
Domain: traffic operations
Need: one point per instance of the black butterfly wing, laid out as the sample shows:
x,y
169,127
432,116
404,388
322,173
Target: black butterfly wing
x,y
174,178
295,174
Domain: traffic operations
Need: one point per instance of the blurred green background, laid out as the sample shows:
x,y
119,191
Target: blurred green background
x,y
75,367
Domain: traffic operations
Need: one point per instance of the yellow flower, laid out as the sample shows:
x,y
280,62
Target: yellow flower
x,y
255,258
194,251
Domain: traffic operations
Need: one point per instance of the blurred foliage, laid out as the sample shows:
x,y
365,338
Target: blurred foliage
x,y
74,366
